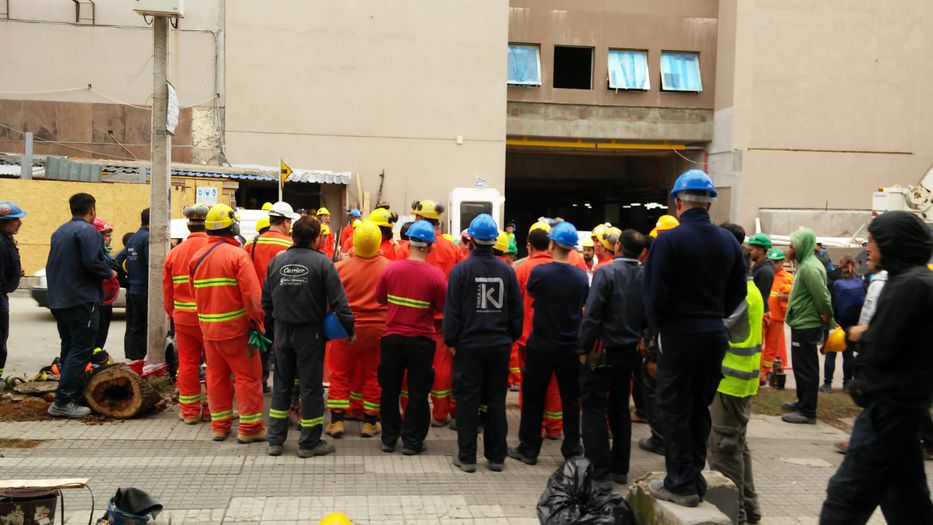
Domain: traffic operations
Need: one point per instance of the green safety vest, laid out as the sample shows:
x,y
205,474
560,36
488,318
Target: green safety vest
x,y
740,366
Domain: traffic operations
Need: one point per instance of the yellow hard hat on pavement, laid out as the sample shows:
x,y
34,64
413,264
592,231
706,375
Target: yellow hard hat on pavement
x,y
502,242
336,518
381,217
262,223
609,237
665,222
428,209
540,225
266,206
836,341
220,217
366,239
322,211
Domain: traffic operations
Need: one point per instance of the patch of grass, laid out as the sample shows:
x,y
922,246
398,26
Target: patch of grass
x,y
830,408
20,443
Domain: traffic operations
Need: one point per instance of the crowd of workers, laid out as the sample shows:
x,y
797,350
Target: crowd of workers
x,y
421,332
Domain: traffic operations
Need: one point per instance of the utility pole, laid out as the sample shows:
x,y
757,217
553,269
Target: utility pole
x,y
159,208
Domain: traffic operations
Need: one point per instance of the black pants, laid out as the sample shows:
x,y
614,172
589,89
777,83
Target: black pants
x,y
299,354
649,386
638,392
4,329
416,356
688,375
77,327
540,363
106,315
481,376
605,394
805,358
883,466
829,366
137,320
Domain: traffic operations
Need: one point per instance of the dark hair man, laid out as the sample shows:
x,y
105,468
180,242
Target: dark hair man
x,y
135,258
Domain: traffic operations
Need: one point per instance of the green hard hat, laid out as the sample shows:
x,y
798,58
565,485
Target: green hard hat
x,y
775,254
760,239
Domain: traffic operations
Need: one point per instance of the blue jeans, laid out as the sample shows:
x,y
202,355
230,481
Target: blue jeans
x,y
77,327
829,366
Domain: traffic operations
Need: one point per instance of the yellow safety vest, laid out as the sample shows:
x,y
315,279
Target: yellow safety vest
x,y
740,366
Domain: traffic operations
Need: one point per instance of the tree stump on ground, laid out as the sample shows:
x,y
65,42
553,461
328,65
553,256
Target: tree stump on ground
x,y
119,392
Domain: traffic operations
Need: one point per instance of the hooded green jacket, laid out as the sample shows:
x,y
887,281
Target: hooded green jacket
x,y
809,298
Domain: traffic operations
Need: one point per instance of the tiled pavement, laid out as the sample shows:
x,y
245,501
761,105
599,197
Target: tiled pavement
x,y
200,481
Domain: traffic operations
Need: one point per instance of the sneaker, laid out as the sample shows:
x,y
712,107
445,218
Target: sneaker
x,y
496,466
275,450
621,479
604,485
438,423
70,410
657,491
335,429
516,453
791,406
371,429
752,516
322,449
841,446
219,435
798,418
469,468
412,450
826,388
651,445
387,448
255,437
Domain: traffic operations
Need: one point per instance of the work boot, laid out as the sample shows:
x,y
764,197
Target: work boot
x,y
791,406
387,448
621,479
255,437
371,429
437,423
275,450
516,453
321,449
496,466
798,418
70,410
651,445
220,435
335,429
469,468
188,421
412,450
657,491
826,388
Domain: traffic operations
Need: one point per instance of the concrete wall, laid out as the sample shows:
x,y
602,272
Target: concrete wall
x,y
829,101
46,203
370,86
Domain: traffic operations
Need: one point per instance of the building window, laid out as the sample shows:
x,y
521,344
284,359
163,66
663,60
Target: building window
x,y
524,65
628,69
680,71
573,67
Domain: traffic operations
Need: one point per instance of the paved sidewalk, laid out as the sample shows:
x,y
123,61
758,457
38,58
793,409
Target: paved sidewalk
x,y
200,481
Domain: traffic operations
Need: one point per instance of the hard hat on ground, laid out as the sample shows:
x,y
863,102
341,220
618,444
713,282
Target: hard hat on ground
x,y
502,242
759,239
366,239
836,341
283,209
694,180
263,223
336,518
355,213
428,209
381,217
266,206
587,243
483,230
9,211
421,233
540,225
322,211
565,235
101,225
220,217
775,254
610,237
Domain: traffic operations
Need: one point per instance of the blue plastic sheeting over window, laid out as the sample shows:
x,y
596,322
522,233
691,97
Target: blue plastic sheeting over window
x,y
628,70
680,72
524,65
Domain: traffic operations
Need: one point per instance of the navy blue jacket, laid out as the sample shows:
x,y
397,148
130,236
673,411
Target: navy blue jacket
x,y
615,309
694,276
136,255
9,265
76,265
484,303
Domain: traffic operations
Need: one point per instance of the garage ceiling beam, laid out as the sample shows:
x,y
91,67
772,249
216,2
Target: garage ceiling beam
x,y
581,145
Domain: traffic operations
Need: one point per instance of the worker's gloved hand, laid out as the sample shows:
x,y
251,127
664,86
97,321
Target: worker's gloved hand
x,y
258,341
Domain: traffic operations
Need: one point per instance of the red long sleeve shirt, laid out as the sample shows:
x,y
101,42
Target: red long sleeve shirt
x,y
414,291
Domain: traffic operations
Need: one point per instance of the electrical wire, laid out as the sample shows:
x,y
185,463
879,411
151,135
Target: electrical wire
x,y
103,95
62,90
65,145
118,101
685,158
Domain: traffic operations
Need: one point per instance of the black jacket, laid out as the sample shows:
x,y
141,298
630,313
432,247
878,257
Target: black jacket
x,y
76,266
10,267
484,303
615,309
136,257
694,277
763,275
895,363
301,286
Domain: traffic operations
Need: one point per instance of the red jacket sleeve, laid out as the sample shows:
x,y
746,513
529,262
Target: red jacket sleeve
x,y
250,290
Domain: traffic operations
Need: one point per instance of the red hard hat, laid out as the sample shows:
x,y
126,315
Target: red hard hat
x,y
101,225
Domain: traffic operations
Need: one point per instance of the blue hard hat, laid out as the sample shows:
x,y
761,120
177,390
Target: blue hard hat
x,y
355,213
694,180
565,235
333,329
483,229
9,211
421,233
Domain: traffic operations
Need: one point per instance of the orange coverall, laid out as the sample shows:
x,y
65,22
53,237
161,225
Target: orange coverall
x,y
774,320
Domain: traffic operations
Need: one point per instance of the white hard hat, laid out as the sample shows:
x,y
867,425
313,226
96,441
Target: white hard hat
x,y
283,209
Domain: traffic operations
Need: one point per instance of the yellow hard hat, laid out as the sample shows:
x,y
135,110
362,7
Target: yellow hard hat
x,y
448,236
540,225
665,222
366,239
356,222
502,242
325,230
609,236
322,211
587,243
220,217
836,342
597,231
266,206
262,222
336,518
381,217
427,209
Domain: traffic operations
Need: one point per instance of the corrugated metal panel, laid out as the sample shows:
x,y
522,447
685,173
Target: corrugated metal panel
x,y
320,177
60,168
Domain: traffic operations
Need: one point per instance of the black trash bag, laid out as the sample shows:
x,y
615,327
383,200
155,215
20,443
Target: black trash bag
x,y
131,506
570,498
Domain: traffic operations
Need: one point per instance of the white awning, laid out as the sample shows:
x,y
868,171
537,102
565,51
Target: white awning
x,y
320,177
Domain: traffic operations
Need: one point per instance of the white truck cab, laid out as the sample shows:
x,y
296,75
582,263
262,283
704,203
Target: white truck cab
x,y
464,204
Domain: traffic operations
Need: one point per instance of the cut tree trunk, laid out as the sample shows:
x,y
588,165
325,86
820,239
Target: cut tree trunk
x,y
119,392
